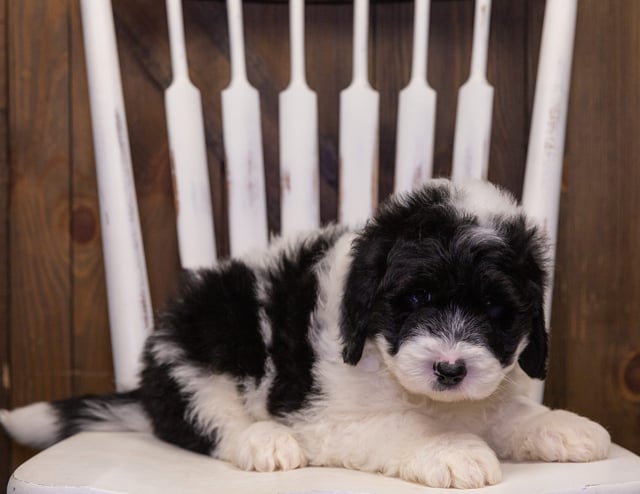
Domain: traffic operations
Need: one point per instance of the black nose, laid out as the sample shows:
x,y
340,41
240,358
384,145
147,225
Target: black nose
x,y
450,374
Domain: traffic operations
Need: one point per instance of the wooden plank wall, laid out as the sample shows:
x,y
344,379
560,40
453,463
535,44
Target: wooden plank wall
x,y
39,136
53,319
595,365
4,242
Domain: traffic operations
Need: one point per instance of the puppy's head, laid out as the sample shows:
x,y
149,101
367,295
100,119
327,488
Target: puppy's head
x,y
448,283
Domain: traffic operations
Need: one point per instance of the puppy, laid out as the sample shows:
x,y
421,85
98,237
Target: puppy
x,y
394,348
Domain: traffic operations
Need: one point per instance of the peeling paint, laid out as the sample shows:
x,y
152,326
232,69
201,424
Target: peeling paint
x,y
122,137
418,179
251,186
133,220
146,308
553,120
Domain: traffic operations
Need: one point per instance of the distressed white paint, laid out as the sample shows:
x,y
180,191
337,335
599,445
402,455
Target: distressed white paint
x,y
475,106
185,125
416,112
543,176
243,147
300,197
358,131
130,313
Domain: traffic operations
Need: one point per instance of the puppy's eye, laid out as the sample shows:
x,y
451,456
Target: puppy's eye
x,y
418,298
493,309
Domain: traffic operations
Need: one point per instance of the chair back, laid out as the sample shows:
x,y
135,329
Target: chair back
x,y
129,304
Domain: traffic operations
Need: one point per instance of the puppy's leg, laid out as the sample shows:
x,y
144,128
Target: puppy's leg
x,y
402,445
457,460
529,431
266,446
216,408
263,446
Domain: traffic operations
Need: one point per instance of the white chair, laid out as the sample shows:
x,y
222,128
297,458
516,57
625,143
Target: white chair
x,y
138,463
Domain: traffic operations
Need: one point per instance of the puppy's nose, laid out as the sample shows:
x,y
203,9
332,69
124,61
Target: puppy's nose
x,y
450,374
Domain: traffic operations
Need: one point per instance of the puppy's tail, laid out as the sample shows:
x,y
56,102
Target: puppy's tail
x,y
41,424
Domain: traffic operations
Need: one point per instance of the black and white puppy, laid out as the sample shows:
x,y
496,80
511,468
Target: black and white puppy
x,y
395,348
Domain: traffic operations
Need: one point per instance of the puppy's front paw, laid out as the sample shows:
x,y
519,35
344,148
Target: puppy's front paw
x,y
464,462
559,435
268,446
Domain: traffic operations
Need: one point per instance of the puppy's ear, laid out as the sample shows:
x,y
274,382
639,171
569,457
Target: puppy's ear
x,y
369,255
530,247
533,359
399,218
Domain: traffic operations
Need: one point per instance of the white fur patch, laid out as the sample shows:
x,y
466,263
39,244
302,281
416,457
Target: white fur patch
x,y
255,397
216,404
35,425
214,399
117,417
262,291
165,351
484,200
331,273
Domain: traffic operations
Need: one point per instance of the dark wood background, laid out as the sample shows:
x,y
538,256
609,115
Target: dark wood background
x,y
53,320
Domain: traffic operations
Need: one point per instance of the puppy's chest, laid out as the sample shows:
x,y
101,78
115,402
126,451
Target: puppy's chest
x,y
369,390
473,420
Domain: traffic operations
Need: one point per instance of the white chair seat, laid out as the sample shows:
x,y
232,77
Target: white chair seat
x,y
138,463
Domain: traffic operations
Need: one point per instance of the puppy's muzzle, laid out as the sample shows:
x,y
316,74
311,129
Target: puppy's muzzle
x,y
450,374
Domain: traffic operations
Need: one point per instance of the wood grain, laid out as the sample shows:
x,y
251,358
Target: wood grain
x,y
328,50
392,38
595,312
5,383
507,73
451,32
39,137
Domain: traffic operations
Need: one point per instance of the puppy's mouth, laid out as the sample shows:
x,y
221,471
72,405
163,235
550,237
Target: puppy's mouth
x,y
456,393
